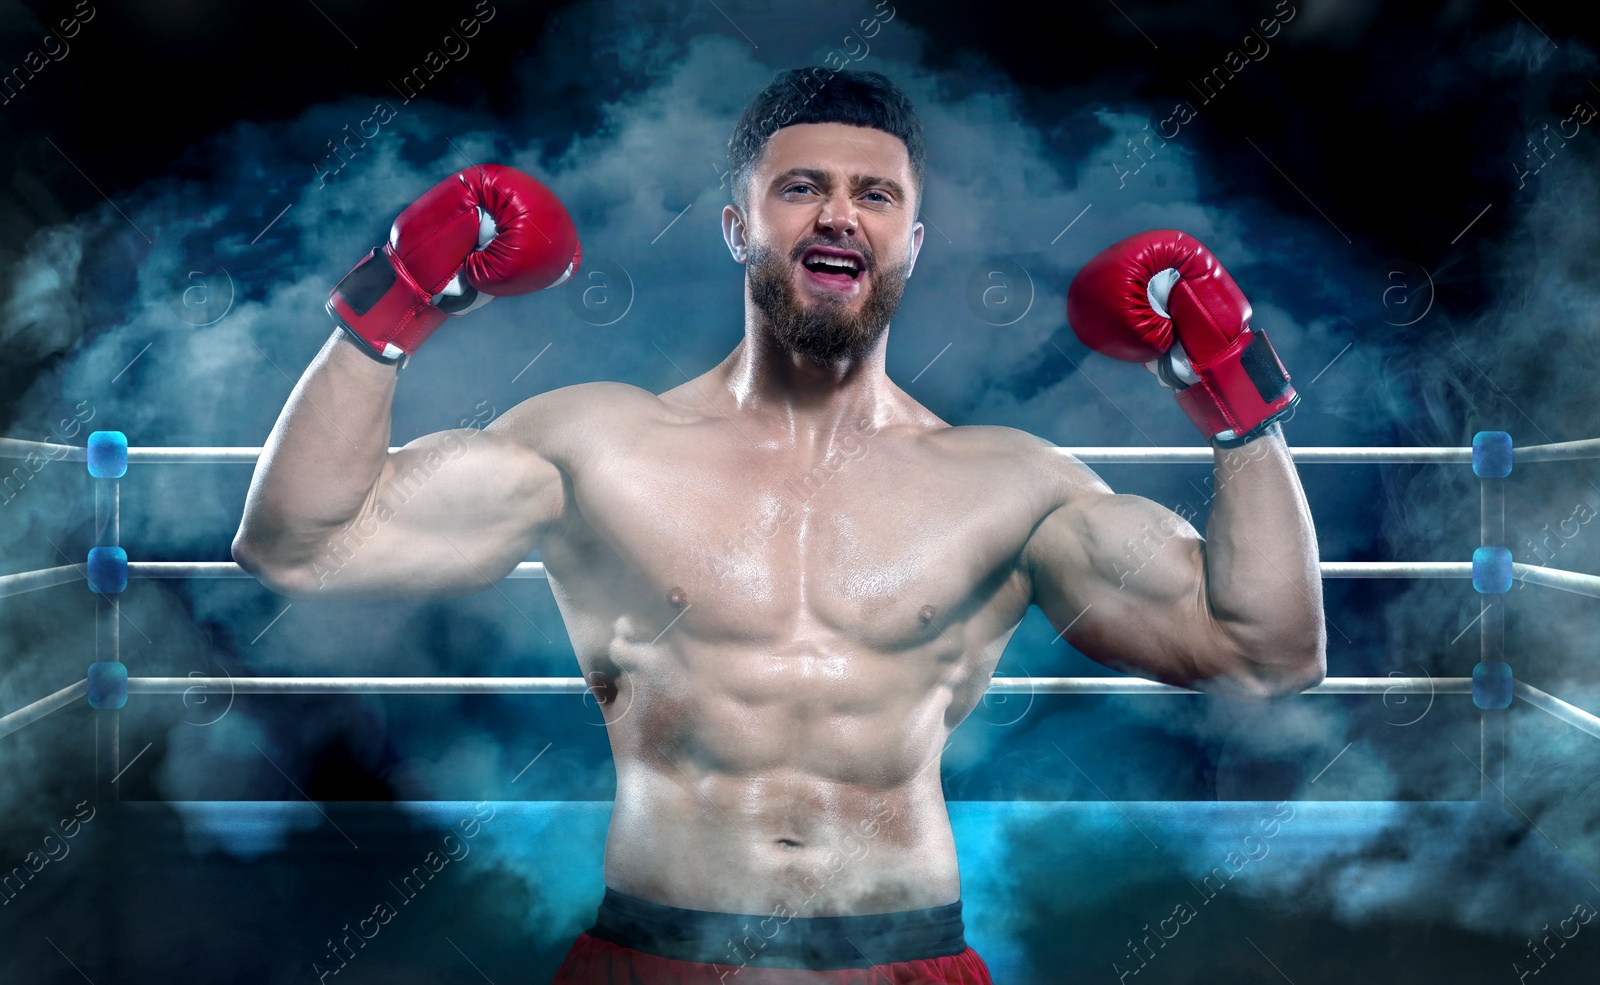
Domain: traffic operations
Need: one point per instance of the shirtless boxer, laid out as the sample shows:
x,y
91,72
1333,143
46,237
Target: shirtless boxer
x,y
786,579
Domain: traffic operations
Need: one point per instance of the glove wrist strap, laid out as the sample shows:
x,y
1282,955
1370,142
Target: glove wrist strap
x,y
379,303
1240,392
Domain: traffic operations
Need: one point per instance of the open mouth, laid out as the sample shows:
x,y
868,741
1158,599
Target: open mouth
x,y
834,265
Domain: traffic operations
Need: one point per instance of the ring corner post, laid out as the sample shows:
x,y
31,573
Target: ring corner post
x,y
107,460
1491,577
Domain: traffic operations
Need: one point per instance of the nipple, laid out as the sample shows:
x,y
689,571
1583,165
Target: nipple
x,y
926,613
678,597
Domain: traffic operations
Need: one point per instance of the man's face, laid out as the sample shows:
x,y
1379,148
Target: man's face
x,y
825,198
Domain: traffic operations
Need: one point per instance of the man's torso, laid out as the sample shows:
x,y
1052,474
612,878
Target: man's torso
x,y
781,641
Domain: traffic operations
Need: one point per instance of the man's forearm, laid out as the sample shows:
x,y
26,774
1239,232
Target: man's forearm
x,y
322,458
1262,574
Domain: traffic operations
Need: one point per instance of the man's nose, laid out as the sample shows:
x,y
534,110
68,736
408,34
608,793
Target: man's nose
x,y
838,214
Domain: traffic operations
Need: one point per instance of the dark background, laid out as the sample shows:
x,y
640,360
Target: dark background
x,y
166,244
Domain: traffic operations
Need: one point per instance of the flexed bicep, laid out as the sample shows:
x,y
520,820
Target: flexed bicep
x,y
1122,578
451,513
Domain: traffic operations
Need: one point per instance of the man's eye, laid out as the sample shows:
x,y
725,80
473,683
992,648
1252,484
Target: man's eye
x,y
795,187
880,195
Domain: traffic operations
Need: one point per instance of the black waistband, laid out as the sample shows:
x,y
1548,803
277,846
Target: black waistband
x,y
775,940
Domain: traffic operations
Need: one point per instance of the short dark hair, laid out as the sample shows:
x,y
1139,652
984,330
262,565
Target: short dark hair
x,y
822,95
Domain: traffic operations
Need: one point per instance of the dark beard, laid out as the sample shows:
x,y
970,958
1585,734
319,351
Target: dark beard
x,y
826,332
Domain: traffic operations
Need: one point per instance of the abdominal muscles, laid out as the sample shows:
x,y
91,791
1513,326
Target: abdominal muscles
x,y
803,776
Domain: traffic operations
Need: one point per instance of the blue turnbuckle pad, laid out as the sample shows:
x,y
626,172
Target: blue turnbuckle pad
x,y
1491,684
108,570
108,684
1491,570
1491,454
108,454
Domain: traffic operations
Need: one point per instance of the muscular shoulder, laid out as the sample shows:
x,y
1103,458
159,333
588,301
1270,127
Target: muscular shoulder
x,y
588,401
559,423
1071,513
1015,456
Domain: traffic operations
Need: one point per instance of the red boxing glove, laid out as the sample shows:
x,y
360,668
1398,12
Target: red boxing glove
x,y
481,233
1162,296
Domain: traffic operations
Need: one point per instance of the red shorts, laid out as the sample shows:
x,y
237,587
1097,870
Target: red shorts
x,y
597,962
636,942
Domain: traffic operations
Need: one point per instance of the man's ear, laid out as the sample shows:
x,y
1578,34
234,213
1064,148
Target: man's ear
x,y
916,247
733,230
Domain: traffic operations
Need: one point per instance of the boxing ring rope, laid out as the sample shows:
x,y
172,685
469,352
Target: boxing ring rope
x,y
1563,451
1491,570
1567,581
1568,713
28,581
29,714
575,685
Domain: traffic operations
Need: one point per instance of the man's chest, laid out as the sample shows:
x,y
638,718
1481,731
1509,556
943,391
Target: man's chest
x,y
888,543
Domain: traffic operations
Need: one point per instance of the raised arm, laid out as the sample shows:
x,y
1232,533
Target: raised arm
x,y
330,510
1238,612
332,513
1241,610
